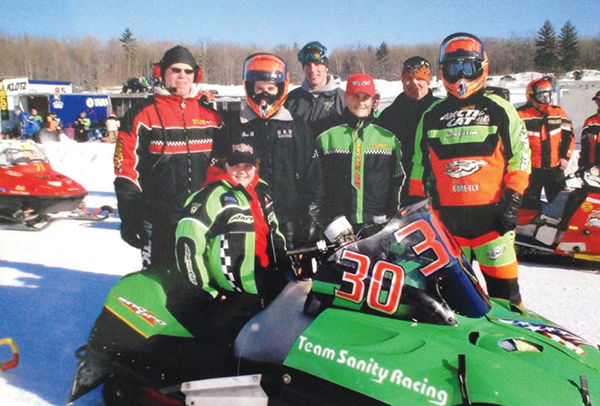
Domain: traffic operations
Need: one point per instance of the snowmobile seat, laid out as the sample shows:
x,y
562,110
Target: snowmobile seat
x,y
269,336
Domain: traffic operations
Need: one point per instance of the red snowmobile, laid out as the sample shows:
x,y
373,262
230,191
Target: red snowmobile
x,y
30,190
569,225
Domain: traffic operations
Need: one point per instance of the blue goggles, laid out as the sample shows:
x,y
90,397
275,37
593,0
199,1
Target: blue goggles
x,y
312,52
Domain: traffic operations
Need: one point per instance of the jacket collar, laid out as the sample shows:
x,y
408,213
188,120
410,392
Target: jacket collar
x,y
247,115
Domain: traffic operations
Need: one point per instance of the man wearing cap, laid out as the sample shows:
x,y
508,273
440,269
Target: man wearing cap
x,y
362,162
403,115
161,156
590,151
320,94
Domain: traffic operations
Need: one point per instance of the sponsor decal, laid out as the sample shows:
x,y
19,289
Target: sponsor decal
x,y
460,134
204,123
240,218
13,173
558,334
92,102
142,312
328,105
463,167
593,219
227,199
187,258
195,207
462,188
495,252
248,134
554,121
118,158
284,133
361,82
374,370
381,146
243,148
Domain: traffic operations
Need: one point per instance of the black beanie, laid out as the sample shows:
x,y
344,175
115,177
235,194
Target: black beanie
x,y
176,55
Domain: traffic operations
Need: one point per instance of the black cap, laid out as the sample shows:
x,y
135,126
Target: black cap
x,y
597,96
178,54
241,153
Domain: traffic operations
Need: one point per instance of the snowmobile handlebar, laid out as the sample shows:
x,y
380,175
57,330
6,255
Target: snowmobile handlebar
x,y
319,248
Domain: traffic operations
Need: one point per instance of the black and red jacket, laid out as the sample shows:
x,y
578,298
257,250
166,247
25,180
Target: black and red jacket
x,y
162,154
550,135
590,137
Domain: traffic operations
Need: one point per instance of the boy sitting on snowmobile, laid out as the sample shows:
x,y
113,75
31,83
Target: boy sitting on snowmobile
x,y
230,250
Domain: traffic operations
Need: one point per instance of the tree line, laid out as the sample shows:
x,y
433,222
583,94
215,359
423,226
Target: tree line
x,y
91,64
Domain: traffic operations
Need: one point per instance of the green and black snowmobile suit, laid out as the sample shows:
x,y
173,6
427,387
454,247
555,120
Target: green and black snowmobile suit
x,y
228,239
362,170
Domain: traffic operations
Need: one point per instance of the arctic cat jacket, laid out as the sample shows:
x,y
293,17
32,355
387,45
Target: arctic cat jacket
x,y
590,137
315,105
288,163
550,135
228,239
362,170
467,152
162,153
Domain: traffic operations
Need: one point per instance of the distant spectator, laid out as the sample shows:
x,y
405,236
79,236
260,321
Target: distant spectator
x,y
112,128
320,95
53,123
34,115
29,126
590,137
82,127
403,115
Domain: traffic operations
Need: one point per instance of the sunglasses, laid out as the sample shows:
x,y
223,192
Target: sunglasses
x,y
453,71
178,70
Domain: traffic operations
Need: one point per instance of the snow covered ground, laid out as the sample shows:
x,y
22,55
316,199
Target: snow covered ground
x,y
53,284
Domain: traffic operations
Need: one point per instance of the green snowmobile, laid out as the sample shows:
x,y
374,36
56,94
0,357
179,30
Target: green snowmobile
x,y
397,318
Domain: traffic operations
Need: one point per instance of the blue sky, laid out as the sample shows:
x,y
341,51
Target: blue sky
x,y
268,23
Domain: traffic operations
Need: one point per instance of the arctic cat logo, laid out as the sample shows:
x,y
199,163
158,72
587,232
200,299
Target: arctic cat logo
x,y
142,312
495,252
464,117
328,105
240,218
558,334
463,167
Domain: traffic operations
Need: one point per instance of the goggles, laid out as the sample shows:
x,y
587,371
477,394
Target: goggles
x,y
312,52
415,63
543,96
467,69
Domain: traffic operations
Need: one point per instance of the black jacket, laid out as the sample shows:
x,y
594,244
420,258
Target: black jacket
x,y
288,163
402,118
315,105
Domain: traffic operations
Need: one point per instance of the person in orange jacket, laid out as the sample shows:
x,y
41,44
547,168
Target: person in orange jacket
x,y
551,140
590,137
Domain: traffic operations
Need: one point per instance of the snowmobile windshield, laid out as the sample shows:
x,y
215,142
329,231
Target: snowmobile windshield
x,y
412,269
21,153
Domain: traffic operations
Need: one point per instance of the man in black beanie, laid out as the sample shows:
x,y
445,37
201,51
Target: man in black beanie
x,y
161,156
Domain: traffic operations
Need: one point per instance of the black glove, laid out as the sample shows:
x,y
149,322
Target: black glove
x,y
133,233
508,210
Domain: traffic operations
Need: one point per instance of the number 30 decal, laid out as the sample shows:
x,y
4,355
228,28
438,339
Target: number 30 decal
x,y
430,242
382,270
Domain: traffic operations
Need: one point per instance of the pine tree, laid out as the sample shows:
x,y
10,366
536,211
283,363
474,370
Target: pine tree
x,y
546,57
569,47
129,44
382,54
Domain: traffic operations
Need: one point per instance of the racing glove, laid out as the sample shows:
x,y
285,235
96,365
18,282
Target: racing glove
x,y
508,209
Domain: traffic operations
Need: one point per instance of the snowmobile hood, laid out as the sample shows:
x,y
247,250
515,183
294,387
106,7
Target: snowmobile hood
x,y
403,362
